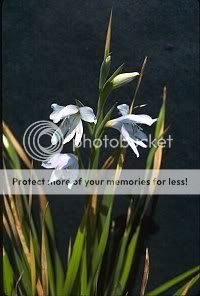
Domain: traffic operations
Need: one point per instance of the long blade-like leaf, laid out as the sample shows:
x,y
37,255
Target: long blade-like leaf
x,y
108,37
173,282
8,275
75,258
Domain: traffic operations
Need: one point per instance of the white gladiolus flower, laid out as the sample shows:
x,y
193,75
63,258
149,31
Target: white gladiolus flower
x,y
65,165
71,125
128,126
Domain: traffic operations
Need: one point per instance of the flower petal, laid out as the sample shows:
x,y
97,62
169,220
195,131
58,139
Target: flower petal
x,y
56,175
70,127
123,109
72,170
136,134
87,114
115,123
130,119
79,133
60,112
141,119
129,140
51,162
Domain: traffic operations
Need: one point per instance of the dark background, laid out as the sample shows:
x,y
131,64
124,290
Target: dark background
x,y
52,52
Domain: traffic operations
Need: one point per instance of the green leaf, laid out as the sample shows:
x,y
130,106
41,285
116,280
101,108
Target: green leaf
x,y
11,153
122,251
186,287
99,252
117,72
108,37
32,266
173,282
161,118
103,122
75,258
138,84
84,272
44,264
79,103
59,273
8,275
23,269
129,259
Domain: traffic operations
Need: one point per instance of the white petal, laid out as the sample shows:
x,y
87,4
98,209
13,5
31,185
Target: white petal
x,y
87,114
64,161
70,127
71,172
140,135
136,134
115,123
129,140
140,143
57,136
60,112
141,119
51,162
123,109
69,137
79,133
56,175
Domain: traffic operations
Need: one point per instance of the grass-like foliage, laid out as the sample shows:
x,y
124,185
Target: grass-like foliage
x,y
97,262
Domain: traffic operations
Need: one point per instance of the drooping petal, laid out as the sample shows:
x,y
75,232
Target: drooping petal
x,y
60,112
136,133
69,137
56,175
129,140
71,171
123,109
64,129
51,162
57,136
73,175
79,133
64,161
139,137
70,127
87,114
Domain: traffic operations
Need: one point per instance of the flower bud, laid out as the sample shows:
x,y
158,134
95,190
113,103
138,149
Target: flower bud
x,y
105,68
123,79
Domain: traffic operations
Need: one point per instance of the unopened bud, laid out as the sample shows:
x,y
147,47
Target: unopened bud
x,y
123,79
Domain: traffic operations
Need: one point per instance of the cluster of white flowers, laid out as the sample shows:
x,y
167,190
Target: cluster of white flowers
x,y
71,126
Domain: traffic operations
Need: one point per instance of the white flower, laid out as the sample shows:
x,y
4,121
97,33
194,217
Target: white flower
x,y
65,165
71,125
128,126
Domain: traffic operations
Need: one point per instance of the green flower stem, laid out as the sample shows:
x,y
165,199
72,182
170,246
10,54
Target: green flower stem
x,y
95,152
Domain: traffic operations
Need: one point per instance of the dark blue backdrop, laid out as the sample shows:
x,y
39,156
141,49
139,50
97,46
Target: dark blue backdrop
x,y
52,51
